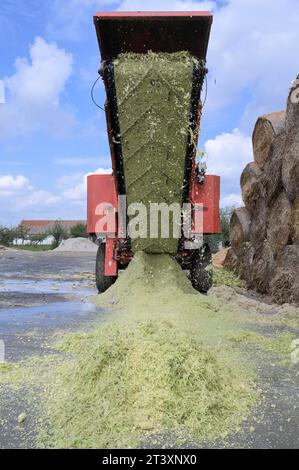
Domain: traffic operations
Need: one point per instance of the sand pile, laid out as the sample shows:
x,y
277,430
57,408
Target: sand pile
x,y
77,244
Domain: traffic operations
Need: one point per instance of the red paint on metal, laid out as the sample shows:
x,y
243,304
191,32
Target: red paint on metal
x,y
100,189
208,194
110,261
149,14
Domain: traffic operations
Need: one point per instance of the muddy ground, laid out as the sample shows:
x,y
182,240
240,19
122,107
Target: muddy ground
x,y
44,294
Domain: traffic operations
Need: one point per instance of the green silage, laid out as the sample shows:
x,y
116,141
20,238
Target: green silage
x,y
154,104
165,359
158,363
144,377
223,277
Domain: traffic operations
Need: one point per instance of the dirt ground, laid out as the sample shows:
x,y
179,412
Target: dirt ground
x,y
44,294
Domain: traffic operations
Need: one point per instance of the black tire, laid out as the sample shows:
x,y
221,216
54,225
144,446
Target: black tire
x,y
201,277
103,282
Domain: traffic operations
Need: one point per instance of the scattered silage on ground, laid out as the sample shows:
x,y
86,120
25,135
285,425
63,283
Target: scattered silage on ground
x,y
165,359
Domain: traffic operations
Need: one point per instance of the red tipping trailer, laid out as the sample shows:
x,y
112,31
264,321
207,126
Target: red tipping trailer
x,y
121,33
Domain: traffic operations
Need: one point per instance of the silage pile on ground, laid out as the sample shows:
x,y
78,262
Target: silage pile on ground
x,y
166,365
155,365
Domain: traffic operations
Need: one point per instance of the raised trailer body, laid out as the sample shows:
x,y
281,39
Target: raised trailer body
x,y
138,33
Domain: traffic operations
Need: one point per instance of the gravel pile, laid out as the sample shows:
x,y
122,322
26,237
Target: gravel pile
x,y
77,244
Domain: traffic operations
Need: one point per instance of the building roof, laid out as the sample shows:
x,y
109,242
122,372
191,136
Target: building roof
x,y
42,226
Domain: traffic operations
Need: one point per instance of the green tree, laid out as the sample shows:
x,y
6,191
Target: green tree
x,y
58,232
21,232
223,237
37,238
7,235
79,230
225,216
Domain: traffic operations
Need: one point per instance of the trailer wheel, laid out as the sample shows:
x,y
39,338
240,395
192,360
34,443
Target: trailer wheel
x,y
201,277
103,282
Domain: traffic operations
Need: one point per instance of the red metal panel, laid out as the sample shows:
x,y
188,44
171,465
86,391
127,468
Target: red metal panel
x,y
208,194
110,262
100,189
149,14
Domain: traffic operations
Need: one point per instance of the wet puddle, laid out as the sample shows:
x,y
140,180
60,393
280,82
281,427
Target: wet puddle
x,y
53,315
46,286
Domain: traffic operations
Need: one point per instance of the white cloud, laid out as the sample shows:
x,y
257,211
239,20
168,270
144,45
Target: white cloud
x,y
252,55
227,155
34,93
14,184
77,193
19,199
38,199
230,200
68,181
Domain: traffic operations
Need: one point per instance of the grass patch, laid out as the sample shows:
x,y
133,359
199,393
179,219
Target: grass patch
x,y
34,247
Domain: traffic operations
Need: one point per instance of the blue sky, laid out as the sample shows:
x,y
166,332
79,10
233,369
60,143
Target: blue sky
x,y
51,134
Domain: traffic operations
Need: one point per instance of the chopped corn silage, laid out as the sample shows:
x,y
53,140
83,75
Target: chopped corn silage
x,y
155,365
154,105
164,360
